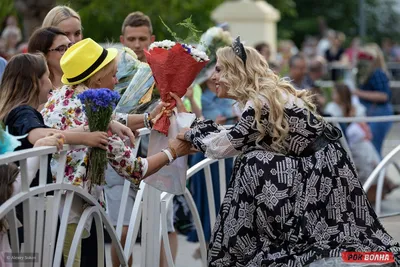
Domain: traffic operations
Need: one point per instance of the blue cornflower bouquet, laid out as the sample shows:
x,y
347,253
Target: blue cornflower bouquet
x,y
99,105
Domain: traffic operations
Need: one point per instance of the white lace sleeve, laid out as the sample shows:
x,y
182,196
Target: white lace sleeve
x,y
218,146
217,142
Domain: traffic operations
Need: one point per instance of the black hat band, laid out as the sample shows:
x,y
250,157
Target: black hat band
x,y
89,70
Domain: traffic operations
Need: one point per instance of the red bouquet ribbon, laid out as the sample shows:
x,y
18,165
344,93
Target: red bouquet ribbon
x,y
174,70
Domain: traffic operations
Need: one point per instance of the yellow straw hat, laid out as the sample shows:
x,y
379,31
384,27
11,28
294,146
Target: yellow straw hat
x,y
82,60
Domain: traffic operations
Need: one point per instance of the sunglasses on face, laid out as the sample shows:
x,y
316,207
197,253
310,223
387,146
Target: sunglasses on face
x,y
62,48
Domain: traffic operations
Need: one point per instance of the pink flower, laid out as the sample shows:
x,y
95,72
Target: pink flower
x,y
122,163
66,102
137,174
51,107
69,93
69,170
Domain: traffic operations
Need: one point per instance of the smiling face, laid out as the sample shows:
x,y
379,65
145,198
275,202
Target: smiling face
x,y
60,44
104,78
221,88
72,28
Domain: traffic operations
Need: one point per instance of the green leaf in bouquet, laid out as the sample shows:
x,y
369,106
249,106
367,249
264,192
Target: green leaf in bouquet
x,y
174,35
193,36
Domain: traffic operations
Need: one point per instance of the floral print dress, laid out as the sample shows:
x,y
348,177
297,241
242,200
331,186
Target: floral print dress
x,y
287,209
64,111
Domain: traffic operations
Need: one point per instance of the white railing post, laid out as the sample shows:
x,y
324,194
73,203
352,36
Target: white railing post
x,y
151,227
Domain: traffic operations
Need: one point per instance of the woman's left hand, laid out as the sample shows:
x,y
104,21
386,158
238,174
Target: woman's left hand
x,y
181,148
181,134
122,131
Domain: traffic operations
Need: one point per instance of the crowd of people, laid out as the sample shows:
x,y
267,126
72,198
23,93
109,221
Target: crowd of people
x,y
294,197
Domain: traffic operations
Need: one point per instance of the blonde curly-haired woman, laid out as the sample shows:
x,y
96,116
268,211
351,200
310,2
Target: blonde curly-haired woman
x,y
294,198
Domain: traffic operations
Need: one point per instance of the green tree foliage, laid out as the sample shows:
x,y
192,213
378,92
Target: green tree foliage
x,y
341,15
102,19
6,8
383,21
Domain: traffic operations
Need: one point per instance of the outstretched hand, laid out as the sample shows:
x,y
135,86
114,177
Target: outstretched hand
x,y
179,104
181,148
52,139
181,134
181,137
122,131
161,108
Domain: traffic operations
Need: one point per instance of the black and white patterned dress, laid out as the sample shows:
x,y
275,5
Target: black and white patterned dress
x,y
287,209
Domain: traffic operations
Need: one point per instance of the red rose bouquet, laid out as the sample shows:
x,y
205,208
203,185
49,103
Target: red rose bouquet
x,y
175,65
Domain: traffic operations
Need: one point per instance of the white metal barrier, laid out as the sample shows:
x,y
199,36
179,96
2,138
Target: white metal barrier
x,y
41,213
167,198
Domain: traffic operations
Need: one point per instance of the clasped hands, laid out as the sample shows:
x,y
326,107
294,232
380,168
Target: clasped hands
x,y
180,145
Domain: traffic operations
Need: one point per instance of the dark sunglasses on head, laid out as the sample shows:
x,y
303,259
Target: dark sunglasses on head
x,y
62,48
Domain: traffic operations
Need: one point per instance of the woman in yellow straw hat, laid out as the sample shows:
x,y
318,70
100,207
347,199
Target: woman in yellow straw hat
x,y
88,65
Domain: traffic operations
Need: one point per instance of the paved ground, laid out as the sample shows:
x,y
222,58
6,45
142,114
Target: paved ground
x,y
184,257
389,206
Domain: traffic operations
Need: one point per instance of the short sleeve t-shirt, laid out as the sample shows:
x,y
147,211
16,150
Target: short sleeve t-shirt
x,y
20,121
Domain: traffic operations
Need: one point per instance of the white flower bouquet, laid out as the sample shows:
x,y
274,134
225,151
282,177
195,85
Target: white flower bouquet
x,y
210,41
198,55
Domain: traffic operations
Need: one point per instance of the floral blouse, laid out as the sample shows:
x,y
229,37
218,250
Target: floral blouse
x,y
64,111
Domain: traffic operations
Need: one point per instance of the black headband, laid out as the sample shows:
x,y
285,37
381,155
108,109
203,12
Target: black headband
x,y
92,68
238,48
